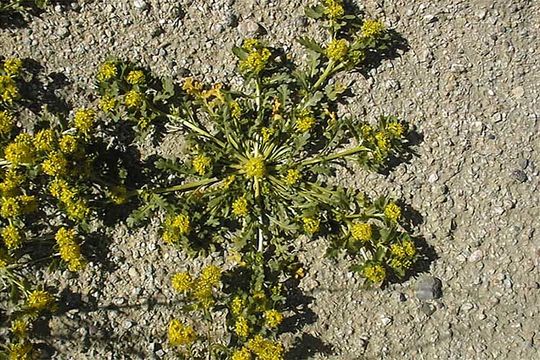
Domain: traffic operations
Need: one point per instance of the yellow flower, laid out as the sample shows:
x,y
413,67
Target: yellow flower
x,y
182,282
19,153
337,49
107,103
305,123
107,71
19,328
68,144
170,237
70,250
240,207
267,133
383,142
6,122
8,89
241,327
251,44
226,183
392,212
210,276
77,210
21,351
11,183
237,305
265,349
201,164
135,77
255,167
293,175
236,110
182,224
241,354
39,300
256,60
361,231
334,9
409,247
12,237
180,334
60,189
311,225
273,318
395,128
375,273
118,194
44,140
134,99
13,66
83,120
192,87
372,28
55,165
10,208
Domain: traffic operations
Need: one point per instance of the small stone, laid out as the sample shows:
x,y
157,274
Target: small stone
x,y
133,273
301,22
429,288
62,32
431,18
160,353
231,20
433,178
466,307
386,320
249,28
518,92
480,14
519,175
427,309
476,255
127,324
140,5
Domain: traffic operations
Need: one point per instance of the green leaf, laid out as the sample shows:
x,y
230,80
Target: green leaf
x,y
311,44
240,52
314,12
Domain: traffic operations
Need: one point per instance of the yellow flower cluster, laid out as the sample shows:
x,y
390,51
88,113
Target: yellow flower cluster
x,y
12,237
201,164
8,89
118,195
402,254
17,205
305,123
337,49
273,318
21,351
134,99
255,167
182,282
76,209
70,250
237,305
39,300
19,328
20,151
361,231
236,110
44,140
83,120
334,9
395,128
240,207
135,77
267,133
392,212
175,227
68,144
257,57
241,354
265,349
11,183
374,272
56,164
226,183
107,71
372,28
13,66
241,327
180,334
293,176
311,225
192,87
107,103
6,123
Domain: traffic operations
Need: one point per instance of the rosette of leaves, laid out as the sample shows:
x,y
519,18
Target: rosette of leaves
x,y
229,313
260,155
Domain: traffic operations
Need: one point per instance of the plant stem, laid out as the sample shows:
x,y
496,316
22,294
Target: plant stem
x,y
197,129
258,93
338,155
181,187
